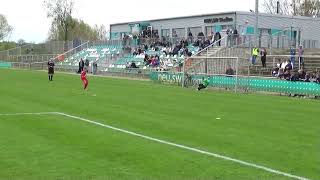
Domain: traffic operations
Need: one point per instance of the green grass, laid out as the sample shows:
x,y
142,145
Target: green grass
x,y
278,132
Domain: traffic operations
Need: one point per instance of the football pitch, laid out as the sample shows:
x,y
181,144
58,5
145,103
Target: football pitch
x,y
124,129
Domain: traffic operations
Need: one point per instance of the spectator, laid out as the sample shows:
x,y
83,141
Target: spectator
x,y
212,38
263,54
133,65
307,77
281,73
288,66
295,76
302,75
95,67
190,37
275,71
292,55
235,36
217,37
229,71
81,66
229,32
201,36
300,56
87,63
287,75
255,52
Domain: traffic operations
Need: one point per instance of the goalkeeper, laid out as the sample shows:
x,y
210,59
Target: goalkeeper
x,y
204,84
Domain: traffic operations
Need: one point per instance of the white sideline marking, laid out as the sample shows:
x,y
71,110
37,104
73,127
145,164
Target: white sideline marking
x,y
168,143
20,114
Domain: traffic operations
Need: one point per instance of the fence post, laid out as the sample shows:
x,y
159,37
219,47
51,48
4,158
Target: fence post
x,y
237,69
274,61
206,62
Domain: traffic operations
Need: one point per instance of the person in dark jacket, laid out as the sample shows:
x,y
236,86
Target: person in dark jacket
x,y
217,37
87,63
50,69
263,54
81,66
229,71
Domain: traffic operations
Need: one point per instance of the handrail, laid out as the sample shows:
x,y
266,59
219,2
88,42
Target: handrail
x,y
214,43
70,50
17,47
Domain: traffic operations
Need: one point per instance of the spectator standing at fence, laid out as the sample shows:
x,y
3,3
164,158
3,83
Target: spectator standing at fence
x,y
229,71
87,63
81,66
217,37
255,52
94,67
212,39
263,54
229,32
292,55
300,56
50,69
235,37
190,37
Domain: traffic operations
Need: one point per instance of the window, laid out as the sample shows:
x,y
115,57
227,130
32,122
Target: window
x,y
209,30
178,32
225,27
195,31
165,32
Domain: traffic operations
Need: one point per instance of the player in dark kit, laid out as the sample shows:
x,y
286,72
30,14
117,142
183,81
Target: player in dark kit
x,y
84,79
50,69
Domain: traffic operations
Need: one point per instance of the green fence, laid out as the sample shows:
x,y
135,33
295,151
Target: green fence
x,y
242,83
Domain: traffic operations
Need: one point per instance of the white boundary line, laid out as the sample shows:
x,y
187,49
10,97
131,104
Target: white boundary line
x,y
167,143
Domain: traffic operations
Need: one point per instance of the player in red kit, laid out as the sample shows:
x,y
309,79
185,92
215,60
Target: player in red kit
x,y
84,79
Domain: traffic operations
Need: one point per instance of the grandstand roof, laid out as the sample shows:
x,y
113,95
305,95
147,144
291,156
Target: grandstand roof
x,y
222,13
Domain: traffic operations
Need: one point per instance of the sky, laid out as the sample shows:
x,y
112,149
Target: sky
x,y
30,22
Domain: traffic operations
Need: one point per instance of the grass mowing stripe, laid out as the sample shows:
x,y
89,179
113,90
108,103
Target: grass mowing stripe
x,y
167,143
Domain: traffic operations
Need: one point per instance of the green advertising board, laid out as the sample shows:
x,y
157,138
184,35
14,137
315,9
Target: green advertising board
x,y
5,65
249,83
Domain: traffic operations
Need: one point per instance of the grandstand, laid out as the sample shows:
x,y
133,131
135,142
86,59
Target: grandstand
x,y
97,53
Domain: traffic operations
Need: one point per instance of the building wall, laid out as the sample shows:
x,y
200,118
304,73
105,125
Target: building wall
x,y
309,27
271,23
180,23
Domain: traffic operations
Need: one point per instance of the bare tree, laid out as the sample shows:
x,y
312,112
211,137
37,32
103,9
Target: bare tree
x,y
102,32
61,12
21,42
285,8
5,28
309,8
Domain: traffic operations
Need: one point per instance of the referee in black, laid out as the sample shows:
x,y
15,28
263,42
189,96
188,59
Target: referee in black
x,y
50,69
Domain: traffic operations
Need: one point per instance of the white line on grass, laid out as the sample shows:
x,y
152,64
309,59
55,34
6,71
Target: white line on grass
x,y
168,143
20,114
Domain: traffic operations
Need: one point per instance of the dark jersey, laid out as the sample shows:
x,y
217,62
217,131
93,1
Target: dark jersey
x,y
50,67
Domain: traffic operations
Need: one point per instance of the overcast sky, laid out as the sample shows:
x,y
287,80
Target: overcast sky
x,y
30,22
